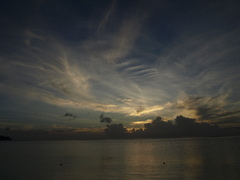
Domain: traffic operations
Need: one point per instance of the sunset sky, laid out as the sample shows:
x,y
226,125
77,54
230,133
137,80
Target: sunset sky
x,y
131,60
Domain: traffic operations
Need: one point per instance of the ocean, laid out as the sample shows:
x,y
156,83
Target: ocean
x,y
175,158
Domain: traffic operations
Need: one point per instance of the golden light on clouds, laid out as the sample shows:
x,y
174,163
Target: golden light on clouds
x,y
141,122
147,110
124,59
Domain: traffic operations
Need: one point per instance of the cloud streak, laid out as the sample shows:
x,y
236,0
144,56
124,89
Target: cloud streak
x,y
66,80
140,63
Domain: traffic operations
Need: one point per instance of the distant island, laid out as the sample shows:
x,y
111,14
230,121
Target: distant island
x,y
180,127
158,128
5,138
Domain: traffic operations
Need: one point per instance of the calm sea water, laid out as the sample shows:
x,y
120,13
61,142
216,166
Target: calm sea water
x,y
180,158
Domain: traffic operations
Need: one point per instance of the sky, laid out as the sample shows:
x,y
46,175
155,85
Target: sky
x,y
65,64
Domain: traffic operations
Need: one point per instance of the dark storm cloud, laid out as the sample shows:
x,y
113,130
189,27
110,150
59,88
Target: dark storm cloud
x,y
105,119
69,115
228,114
213,109
206,108
226,117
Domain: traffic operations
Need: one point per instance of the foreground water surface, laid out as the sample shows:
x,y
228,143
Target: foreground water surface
x,y
178,158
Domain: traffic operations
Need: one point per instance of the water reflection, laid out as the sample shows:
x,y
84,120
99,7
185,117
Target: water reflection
x,y
164,159
184,158
188,158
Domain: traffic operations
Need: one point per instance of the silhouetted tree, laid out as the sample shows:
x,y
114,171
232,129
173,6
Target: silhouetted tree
x,y
139,133
188,127
115,131
184,121
158,128
5,138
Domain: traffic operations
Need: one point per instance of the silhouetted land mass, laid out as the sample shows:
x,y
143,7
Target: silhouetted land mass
x,y
158,128
181,127
230,131
5,138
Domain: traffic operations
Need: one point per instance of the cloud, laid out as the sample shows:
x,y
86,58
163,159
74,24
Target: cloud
x,y
47,70
29,36
209,109
124,66
147,110
56,75
141,122
105,119
107,16
198,63
114,41
122,87
69,115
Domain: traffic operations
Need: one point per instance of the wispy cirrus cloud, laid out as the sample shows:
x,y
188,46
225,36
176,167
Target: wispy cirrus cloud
x,y
65,77
126,64
105,19
55,78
